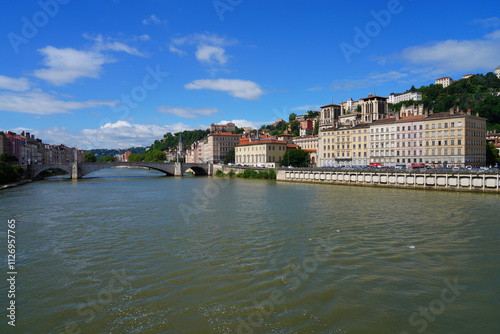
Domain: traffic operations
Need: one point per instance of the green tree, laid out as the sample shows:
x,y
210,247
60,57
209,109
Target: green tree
x,y
107,158
292,116
231,156
18,171
296,158
316,128
492,156
8,158
155,156
135,157
9,173
89,157
311,114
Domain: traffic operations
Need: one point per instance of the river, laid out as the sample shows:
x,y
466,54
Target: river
x,y
127,251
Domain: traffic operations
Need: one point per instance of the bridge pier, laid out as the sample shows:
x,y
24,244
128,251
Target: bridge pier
x,y
76,171
178,169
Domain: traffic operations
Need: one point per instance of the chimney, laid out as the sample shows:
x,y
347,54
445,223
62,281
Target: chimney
x,y
468,111
452,111
426,112
397,116
477,114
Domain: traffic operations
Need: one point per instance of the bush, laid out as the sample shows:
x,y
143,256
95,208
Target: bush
x,y
18,171
219,173
231,173
7,173
252,174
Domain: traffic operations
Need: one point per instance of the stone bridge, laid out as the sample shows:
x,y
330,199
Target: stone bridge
x,y
78,170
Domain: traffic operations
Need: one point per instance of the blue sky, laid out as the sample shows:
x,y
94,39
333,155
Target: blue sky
x,y
115,73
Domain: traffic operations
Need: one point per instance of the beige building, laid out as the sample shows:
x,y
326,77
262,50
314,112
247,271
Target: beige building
x,y
455,138
360,145
216,146
310,145
229,127
445,81
268,153
335,147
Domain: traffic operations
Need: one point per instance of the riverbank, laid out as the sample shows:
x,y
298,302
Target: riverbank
x,y
14,184
449,181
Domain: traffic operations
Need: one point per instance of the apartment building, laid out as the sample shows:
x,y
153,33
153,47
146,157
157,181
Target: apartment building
x,y
262,152
216,146
407,96
360,145
310,145
445,81
455,138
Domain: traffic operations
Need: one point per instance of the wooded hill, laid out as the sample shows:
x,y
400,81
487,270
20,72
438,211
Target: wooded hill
x,y
477,93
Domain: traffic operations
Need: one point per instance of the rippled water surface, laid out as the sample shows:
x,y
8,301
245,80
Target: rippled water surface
x,y
117,253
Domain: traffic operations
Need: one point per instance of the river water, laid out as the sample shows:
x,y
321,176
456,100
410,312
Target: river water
x,y
127,251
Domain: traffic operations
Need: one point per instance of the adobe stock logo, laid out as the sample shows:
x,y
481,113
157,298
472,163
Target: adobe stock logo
x,y
29,29
372,29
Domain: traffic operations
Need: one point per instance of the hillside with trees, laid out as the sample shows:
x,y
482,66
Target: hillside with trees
x,y
99,153
475,93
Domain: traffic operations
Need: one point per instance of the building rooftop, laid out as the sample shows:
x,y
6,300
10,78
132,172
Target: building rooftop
x,y
330,105
259,142
443,78
411,118
370,96
224,134
385,120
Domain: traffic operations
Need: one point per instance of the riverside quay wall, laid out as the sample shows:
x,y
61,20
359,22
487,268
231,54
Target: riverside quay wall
x,y
442,180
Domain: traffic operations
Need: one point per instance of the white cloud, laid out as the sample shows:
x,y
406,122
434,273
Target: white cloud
x,y
372,80
37,102
243,89
120,134
66,65
242,123
307,107
187,112
316,88
153,19
210,48
17,85
494,35
454,55
172,48
489,22
207,54
144,37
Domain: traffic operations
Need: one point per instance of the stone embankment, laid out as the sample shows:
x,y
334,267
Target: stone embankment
x,y
442,180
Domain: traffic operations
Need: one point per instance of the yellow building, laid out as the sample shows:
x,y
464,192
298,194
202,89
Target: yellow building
x,y
310,145
268,153
455,138
361,145
335,147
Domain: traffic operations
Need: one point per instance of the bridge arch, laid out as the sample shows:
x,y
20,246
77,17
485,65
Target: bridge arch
x,y
198,170
38,169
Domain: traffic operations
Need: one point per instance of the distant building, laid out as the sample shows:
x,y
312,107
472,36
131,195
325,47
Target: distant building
x,y
497,71
229,127
407,96
125,156
262,152
310,145
445,81
467,76
216,146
